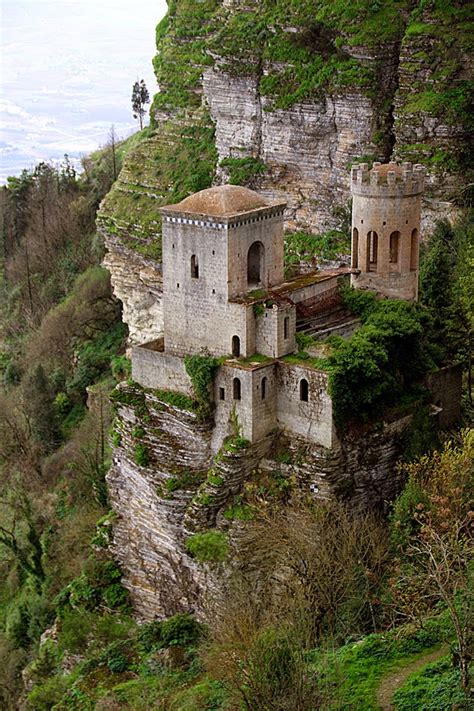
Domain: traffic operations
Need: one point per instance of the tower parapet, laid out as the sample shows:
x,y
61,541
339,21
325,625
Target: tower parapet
x,y
387,180
386,212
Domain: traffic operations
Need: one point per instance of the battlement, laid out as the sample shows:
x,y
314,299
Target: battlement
x,y
387,180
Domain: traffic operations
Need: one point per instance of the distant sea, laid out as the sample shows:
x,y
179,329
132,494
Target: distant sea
x,y
67,70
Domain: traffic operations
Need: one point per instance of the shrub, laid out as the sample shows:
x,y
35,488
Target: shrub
x,y
181,629
45,696
206,547
201,369
141,455
385,358
243,171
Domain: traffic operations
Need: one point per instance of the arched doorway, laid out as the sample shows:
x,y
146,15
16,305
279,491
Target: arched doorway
x,y
394,247
255,264
236,389
372,251
304,390
236,346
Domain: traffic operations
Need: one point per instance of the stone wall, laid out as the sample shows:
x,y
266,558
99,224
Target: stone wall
x,y
276,331
158,370
445,386
386,209
311,419
256,415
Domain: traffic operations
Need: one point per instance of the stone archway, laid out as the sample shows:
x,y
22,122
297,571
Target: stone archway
x,y
255,264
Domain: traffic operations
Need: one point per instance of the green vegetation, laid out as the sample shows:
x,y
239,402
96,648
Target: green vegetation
x,y
201,369
141,455
435,688
211,546
177,163
304,247
243,171
358,668
176,399
383,360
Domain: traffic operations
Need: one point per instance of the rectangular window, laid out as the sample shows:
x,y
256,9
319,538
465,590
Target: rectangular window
x,y
221,394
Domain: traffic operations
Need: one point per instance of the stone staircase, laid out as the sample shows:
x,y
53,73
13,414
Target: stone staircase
x,y
325,318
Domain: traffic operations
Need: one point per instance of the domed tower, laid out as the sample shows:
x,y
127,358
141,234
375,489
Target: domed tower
x,y
386,228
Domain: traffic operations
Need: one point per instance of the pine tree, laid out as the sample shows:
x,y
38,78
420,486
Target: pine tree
x,y
140,97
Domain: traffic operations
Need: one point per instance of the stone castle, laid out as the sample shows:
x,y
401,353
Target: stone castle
x,y
224,294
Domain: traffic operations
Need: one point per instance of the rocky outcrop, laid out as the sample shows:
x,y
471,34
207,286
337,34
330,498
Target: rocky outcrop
x,y
305,165
303,92
165,485
137,282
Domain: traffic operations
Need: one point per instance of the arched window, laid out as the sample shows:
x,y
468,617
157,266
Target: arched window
x,y
255,264
304,390
236,389
394,247
236,346
194,267
286,327
264,388
355,248
372,250
414,251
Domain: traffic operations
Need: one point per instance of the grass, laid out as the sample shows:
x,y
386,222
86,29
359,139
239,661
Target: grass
x,y
358,668
436,687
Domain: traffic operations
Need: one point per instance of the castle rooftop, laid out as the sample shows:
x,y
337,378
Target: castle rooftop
x,y
222,201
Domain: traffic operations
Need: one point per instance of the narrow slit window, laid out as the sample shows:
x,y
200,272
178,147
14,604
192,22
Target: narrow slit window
x,y
414,251
264,388
237,389
221,393
394,247
304,390
194,267
355,248
286,327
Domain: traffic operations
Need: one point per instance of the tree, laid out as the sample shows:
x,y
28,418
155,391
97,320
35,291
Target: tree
x,y
432,530
140,97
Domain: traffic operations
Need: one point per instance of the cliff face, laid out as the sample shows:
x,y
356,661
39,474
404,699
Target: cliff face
x,y
165,486
282,97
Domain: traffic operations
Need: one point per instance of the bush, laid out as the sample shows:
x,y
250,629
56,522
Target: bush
x,y
201,369
384,359
243,171
181,629
141,455
206,547
47,695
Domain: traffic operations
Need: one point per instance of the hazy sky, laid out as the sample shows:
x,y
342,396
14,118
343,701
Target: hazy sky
x,y
67,70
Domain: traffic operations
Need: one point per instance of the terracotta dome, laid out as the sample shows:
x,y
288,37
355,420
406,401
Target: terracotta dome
x,y
221,201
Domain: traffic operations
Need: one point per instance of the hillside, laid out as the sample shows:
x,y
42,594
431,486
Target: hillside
x,y
283,97
141,569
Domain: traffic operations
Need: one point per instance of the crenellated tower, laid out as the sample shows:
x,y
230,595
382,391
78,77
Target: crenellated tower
x,y
386,213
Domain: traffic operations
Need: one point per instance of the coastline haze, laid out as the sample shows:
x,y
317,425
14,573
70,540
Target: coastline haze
x,y
68,67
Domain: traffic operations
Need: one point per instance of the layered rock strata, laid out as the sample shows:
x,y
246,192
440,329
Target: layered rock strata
x,y
165,485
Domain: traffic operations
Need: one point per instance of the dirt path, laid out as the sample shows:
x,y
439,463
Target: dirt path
x,y
393,681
